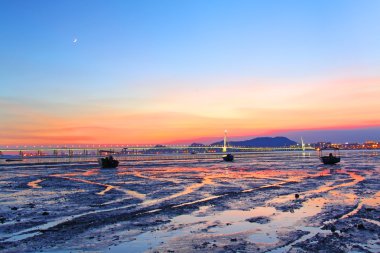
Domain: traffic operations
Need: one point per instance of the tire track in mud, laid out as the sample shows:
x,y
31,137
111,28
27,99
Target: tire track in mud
x,y
81,218
360,203
372,221
81,222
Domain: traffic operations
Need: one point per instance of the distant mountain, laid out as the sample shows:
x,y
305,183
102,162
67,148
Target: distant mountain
x,y
261,142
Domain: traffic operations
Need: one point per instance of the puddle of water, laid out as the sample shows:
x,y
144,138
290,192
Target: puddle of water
x,y
263,238
312,231
216,224
22,236
278,220
143,242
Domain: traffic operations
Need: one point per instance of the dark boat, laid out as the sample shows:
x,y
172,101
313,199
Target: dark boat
x,y
108,162
331,158
228,158
13,160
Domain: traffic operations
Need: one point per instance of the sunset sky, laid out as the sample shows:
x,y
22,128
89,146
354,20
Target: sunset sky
x,y
161,71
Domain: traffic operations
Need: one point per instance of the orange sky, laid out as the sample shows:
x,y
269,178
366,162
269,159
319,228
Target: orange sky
x,y
176,111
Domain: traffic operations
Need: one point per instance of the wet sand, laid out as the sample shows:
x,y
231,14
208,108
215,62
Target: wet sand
x,y
194,205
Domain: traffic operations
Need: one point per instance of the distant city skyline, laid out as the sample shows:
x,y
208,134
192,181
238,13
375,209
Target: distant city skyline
x,y
356,135
338,136
167,71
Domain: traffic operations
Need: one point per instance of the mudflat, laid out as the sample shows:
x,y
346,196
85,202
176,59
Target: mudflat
x,y
267,202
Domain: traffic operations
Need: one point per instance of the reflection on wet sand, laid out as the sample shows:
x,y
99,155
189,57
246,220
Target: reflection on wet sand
x,y
374,200
91,172
212,177
35,183
107,186
326,187
191,188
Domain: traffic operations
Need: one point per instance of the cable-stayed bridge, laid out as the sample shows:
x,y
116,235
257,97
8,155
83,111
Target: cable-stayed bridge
x,y
84,150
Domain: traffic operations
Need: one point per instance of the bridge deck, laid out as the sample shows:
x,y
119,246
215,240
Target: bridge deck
x,y
126,158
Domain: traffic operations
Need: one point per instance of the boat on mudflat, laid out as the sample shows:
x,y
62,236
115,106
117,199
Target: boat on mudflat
x,y
108,162
11,158
228,158
14,160
331,158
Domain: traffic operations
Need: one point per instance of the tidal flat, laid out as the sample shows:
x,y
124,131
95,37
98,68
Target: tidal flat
x,y
249,205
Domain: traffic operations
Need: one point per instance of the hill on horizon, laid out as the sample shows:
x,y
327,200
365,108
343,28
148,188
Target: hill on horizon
x,y
261,142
